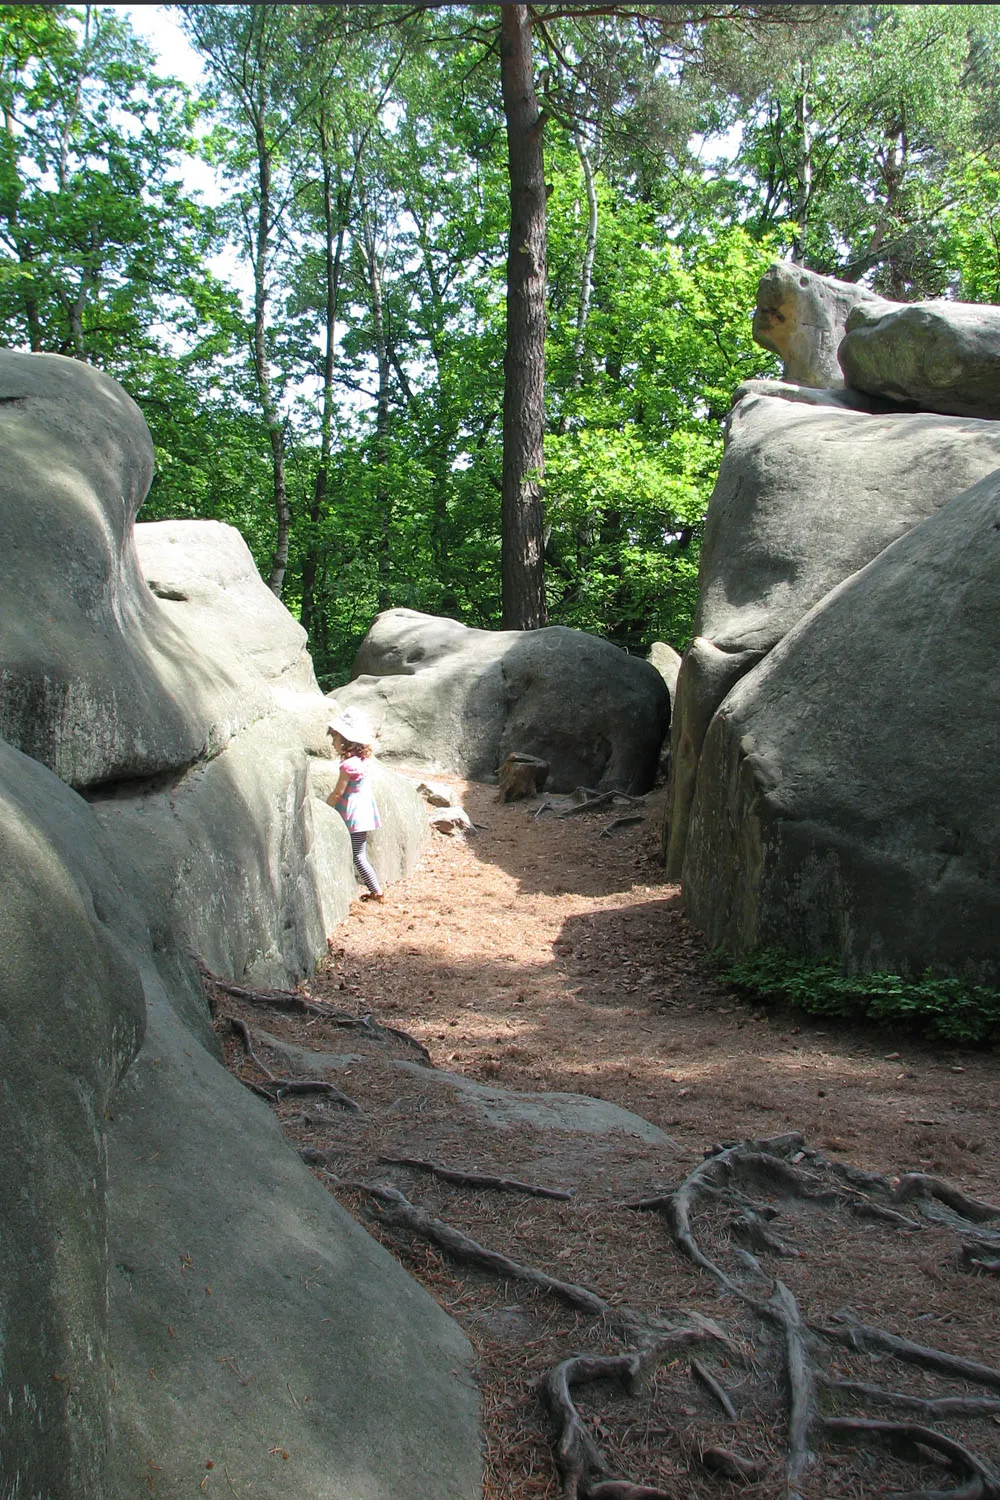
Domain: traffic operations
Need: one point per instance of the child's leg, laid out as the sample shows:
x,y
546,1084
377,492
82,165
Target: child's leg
x,y
363,865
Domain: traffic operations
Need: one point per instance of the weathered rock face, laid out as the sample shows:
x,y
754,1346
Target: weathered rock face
x,y
942,356
192,718
94,681
667,662
801,317
265,1311
463,699
71,1018
846,800
805,496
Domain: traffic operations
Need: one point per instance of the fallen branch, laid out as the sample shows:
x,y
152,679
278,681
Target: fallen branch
x,y
624,822
476,1179
864,1337
600,799
982,1484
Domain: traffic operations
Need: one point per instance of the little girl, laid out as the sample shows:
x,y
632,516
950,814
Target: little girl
x,y
352,796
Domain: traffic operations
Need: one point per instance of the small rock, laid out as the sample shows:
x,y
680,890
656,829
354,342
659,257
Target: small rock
x,y
452,820
437,796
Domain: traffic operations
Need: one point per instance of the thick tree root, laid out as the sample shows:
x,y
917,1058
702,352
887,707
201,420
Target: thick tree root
x,y
920,1185
581,1465
243,1031
457,1245
732,1466
292,1000
281,1086
476,1179
784,1310
938,1408
908,1438
713,1387
863,1336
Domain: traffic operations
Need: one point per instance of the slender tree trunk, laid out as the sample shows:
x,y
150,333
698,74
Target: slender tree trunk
x,y
334,221
272,417
587,270
521,566
803,171
383,503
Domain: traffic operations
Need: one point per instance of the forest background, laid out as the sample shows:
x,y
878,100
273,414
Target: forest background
x,y
340,398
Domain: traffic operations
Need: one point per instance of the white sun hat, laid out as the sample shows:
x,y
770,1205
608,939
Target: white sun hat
x,y
352,725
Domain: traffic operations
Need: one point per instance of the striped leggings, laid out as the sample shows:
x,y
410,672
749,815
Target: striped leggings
x,y
363,865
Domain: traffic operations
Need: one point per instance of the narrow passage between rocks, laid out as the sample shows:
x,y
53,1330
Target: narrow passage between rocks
x,y
692,1298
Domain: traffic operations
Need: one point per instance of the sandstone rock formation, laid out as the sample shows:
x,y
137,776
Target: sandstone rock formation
x,y
462,699
847,798
805,496
941,356
170,1271
829,789
801,317
667,662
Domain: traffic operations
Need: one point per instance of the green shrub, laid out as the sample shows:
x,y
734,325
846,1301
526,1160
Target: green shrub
x,y
938,1005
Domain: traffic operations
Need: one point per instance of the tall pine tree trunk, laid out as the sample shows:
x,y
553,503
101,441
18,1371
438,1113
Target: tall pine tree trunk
x,y
521,567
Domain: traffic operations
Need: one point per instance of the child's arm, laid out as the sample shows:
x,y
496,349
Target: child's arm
x,y
343,782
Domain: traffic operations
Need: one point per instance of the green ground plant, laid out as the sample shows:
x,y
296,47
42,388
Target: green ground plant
x,y
934,1005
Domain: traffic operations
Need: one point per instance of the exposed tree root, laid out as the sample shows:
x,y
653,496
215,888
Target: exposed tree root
x,y
711,1385
582,1467
784,1311
593,802
907,1438
920,1185
863,1336
460,1247
243,1030
477,1179
978,1258
281,1086
732,1466
783,1168
316,1086
292,1000
623,822
935,1408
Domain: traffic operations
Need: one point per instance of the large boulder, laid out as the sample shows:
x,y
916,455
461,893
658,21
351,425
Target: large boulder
x,y
191,718
253,1323
805,496
95,681
442,694
941,356
71,1018
847,799
801,317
